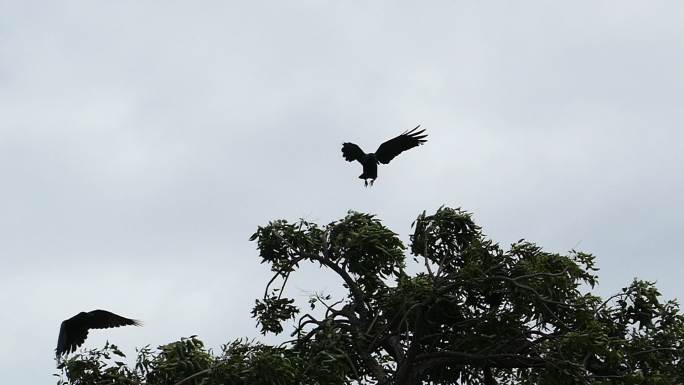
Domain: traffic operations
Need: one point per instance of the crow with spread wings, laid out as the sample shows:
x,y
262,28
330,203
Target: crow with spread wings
x,y
384,154
74,331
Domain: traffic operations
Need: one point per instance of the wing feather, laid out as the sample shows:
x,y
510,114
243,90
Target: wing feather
x,y
352,152
102,319
395,146
71,335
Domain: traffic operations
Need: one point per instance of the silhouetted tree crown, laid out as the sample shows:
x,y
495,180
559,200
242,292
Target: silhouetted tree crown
x,y
475,314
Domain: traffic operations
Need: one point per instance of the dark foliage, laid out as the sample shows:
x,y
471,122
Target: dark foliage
x,y
475,314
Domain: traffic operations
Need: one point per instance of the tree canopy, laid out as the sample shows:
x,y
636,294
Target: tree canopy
x,y
475,313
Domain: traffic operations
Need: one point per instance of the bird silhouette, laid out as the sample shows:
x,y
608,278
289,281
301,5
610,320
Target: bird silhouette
x,y
74,330
384,154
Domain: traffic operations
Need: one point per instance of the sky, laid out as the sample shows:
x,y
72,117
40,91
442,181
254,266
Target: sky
x,y
142,143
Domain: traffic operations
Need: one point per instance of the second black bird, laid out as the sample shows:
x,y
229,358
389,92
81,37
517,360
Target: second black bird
x,y
74,330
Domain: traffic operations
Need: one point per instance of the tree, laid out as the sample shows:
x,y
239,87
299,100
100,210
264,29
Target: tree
x,y
475,314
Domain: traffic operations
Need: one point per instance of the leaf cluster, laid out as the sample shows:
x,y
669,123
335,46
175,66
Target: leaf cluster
x,y
476,313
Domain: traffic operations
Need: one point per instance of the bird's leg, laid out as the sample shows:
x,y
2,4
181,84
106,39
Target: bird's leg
x,y
365,182
372,181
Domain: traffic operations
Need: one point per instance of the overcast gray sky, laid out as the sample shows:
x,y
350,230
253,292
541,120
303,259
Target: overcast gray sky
x,y
142,143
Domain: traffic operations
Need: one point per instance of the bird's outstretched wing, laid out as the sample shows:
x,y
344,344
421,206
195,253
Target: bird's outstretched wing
x,y
74,331
71,336
395,146
102,319
352,152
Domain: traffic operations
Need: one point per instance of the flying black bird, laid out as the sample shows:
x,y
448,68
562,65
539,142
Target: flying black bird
x,y
384,154
74,331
